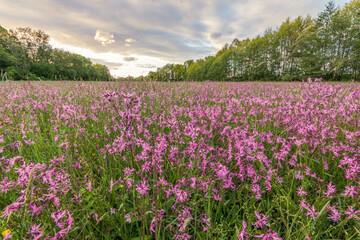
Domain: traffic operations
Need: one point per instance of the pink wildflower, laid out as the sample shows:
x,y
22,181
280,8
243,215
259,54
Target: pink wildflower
x,y
352,213
311,212
128,218
331,189
243,234
262,220
334,214
143,188
301,192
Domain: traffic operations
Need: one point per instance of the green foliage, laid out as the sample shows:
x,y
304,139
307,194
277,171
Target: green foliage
x,y
327,46
26,54
6,59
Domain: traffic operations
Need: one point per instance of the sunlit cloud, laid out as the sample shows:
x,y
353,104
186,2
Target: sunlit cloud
x,y
128,42
152,32
118,64
104,37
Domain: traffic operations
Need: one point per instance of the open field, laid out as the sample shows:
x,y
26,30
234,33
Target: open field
x,y
179,160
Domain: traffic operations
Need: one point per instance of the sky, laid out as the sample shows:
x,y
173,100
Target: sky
x,y
133,37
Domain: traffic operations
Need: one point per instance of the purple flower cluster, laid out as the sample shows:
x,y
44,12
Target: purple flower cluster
x,y
177,158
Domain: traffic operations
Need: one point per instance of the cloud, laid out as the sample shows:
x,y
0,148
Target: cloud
x,y
130,40
129,59
152,31
111,65
104,37
216,35
115,61
146,66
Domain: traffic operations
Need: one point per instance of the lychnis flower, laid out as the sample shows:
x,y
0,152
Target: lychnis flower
x,y
262,220
143,188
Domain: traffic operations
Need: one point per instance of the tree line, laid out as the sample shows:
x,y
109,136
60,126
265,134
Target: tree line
x,y
26,54
327,46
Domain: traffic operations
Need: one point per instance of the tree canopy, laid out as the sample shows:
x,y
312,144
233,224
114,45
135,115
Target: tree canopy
x,y
26,54
327,46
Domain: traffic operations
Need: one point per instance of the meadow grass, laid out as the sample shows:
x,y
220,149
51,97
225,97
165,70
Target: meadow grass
x,y
179,160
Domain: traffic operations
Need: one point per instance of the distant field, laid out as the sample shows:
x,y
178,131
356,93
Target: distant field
x,y
179,160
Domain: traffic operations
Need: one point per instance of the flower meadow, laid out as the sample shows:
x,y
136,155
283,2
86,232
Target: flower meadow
x,y
207,160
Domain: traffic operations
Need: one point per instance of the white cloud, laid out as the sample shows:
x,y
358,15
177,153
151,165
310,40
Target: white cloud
x,y
130,40
119,65
162,30
104,37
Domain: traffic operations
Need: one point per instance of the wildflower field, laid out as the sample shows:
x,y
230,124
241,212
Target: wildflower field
x,y
179,160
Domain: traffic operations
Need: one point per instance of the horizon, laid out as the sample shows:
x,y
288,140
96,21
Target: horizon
x,y
135,37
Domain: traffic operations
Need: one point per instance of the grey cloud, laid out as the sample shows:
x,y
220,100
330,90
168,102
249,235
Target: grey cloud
x,y
216,35
129,59
230,31
146,66
170,30
111,65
